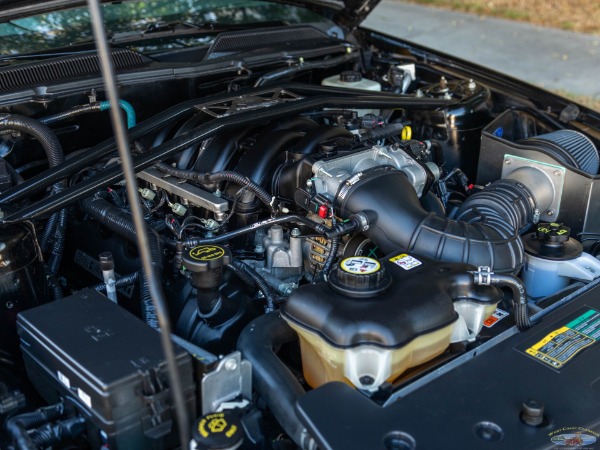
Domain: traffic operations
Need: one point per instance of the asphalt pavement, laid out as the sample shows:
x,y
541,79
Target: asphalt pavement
x,y
550,58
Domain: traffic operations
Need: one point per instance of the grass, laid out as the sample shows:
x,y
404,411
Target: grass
x,y
590,102
573,15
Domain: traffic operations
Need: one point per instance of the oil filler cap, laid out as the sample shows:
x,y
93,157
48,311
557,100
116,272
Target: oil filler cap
x,y
205,262
360,277
217,431
206,257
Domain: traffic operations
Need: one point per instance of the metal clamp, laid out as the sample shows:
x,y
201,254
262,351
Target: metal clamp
x,y
483,276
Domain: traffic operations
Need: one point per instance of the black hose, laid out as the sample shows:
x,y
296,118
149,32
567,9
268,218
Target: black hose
x,y
302,67
70,113
121,223
485,277
338,230
265,288
49,230
44,135
243,276
487,238
376,134
52,433
333,249
504,204
519,298
275,383
18,425
58,245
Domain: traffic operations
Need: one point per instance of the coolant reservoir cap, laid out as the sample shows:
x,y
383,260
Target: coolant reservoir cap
x,y
552,241
222,431
206,257
360,277
350,76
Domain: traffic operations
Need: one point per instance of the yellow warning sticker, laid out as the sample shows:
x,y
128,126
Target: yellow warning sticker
x,y
405,261
560,346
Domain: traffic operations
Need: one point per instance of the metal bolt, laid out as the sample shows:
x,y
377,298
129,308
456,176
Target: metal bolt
x,y
9,305
231,364
295,232
507,161
472,85
443,82
532,412
309,183
557,173
550,212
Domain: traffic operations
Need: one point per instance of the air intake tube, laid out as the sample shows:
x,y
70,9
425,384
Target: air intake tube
x,y
487,235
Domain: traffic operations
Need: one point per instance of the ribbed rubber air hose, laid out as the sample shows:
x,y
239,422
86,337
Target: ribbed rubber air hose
x,y
400,222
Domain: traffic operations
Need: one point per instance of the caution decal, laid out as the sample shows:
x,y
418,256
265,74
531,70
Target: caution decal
x,y
560,346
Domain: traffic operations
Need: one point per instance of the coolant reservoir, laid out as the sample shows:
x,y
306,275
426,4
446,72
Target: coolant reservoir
x,y
350,79
374,319
553,259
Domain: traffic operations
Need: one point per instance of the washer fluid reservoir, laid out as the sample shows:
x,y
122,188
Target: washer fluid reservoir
x,y
374,319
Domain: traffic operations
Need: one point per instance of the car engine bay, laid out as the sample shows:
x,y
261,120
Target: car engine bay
x,y
367,218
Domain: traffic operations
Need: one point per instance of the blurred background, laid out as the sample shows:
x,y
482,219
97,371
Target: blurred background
x,y
554,44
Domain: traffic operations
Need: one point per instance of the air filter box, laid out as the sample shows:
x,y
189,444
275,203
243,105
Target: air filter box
x,y
89,351
517,141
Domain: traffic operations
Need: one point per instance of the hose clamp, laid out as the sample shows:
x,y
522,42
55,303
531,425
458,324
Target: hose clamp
x,y
483,276
361,220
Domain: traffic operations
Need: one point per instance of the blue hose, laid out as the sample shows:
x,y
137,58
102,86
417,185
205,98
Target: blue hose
x,y
125,106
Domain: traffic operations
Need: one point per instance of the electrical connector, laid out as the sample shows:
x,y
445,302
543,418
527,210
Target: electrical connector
x,y
178,209
147,194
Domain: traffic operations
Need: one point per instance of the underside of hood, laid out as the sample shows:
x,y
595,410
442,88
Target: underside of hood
x,y
349,13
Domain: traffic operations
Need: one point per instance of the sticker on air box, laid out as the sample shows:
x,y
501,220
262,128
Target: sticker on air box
x,y
405,261
561,345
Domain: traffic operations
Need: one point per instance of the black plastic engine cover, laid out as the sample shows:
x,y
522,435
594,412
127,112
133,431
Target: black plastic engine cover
x,y
419,301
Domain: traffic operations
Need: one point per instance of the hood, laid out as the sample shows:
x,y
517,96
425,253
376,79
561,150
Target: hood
x,y
349,13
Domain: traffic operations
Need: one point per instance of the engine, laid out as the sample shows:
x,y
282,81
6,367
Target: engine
x,y
362,231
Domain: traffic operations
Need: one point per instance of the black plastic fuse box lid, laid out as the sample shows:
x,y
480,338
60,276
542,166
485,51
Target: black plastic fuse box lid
x,y
110,361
